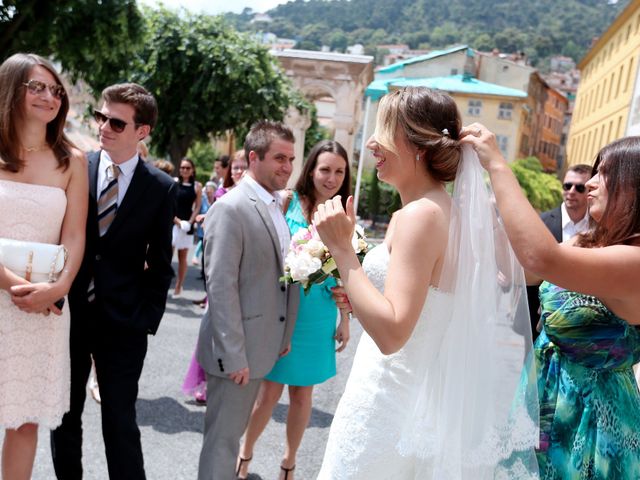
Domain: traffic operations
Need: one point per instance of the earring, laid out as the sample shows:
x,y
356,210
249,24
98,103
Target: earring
x,y
417,157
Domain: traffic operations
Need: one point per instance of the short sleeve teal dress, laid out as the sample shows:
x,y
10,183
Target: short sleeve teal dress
x,y
589,399
312,358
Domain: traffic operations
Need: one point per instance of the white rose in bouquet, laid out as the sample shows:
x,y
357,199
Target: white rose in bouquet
x,y
301,265
309,262
315,248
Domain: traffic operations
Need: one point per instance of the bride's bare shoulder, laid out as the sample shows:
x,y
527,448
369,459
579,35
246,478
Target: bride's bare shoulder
x,y
420,222
423,211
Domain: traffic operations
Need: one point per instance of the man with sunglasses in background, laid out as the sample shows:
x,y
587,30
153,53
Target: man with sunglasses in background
x,y
565,221
119,294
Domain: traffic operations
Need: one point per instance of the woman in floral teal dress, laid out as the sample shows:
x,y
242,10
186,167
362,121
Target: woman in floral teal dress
x,y
589,399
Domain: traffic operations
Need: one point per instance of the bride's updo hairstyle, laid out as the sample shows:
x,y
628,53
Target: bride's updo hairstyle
x,y
430,122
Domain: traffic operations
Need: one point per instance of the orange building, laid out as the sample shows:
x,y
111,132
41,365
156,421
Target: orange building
x,y
550,143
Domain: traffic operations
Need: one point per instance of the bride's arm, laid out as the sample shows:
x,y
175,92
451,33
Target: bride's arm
x,y
419,241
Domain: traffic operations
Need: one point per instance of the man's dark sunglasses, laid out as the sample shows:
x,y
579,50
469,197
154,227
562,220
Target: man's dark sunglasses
x,y
580,187
116,124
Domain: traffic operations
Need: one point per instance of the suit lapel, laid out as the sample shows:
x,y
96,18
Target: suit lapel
x,y
266,219
138,185
557,230
94,163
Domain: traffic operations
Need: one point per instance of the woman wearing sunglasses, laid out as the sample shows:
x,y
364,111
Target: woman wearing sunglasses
x,y
589,400
43,198
188,200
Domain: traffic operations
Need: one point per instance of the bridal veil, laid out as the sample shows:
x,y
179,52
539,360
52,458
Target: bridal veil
x,y
475,414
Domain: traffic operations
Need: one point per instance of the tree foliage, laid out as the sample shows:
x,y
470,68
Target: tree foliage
x,y
207,78
92,39
543,190
378,200
202,154
316,132
540,28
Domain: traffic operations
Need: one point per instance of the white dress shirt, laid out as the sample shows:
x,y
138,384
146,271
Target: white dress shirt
x,y
570,229
274,206
124,179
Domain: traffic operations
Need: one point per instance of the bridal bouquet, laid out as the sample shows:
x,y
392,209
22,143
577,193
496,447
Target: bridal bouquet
x,y
309,261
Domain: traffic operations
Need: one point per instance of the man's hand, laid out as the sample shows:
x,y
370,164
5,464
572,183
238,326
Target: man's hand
x,y
240,377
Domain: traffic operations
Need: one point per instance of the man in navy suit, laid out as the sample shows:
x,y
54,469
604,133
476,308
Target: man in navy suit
x,y
119,294
568,219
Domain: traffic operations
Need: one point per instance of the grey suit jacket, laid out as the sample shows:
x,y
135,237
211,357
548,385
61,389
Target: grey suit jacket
x,y
251,314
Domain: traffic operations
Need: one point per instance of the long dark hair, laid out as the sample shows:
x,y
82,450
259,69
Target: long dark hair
x,y
14,73
304,185
192,178
619,167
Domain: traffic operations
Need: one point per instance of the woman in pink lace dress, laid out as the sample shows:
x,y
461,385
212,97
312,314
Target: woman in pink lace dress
x,y
43,198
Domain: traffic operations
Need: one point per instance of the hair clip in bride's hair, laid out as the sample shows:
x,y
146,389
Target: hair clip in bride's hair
x,y
445,132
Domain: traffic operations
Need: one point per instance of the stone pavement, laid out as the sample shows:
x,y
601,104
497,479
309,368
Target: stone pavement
x,y
172,424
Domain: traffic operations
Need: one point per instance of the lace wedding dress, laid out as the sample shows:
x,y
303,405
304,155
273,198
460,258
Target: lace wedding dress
x,y
34,349
380,393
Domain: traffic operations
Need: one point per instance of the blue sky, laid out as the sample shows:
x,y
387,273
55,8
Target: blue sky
x,y
218,6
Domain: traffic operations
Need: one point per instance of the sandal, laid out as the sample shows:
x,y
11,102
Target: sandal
x,y
241,461
286,471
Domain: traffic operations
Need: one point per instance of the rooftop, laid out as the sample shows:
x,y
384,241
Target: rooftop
x,y
453,84
314,55
421,58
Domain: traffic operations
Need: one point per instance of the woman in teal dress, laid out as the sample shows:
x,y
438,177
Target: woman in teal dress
x,y
312,358
590,300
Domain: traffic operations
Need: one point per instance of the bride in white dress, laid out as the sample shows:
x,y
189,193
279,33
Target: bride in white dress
x,y
432,388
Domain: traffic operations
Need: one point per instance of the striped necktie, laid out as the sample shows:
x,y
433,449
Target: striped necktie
x,y
107,207
108,201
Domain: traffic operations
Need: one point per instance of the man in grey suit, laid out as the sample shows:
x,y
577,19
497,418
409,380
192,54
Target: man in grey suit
x,y
251,314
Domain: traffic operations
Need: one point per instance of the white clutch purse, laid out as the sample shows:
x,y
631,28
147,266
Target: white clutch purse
x,y
33,261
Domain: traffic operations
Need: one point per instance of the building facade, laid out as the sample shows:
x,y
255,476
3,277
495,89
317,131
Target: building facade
x,y
607,91
550,143
500,91
497,107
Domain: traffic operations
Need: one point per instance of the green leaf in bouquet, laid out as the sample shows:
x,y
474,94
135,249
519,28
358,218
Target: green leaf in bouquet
x,y
329,266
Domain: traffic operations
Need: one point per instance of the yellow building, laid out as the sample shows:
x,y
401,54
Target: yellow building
x,y
608,89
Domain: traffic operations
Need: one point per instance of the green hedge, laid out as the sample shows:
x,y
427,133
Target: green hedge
x,y
543,190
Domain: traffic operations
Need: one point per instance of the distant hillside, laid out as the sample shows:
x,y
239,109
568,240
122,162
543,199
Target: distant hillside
x,y
540,28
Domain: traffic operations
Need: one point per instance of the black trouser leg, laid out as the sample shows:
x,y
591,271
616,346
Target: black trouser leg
x,y
66,440
119,358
